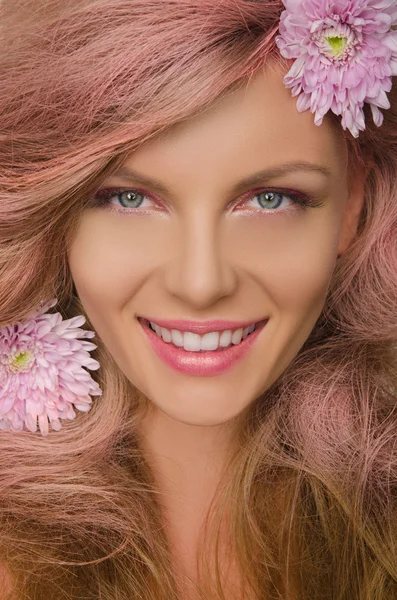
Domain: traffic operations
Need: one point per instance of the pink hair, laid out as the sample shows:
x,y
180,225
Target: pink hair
x,y
82,85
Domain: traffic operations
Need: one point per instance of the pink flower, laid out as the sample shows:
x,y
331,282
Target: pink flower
x,y
346,54
41,374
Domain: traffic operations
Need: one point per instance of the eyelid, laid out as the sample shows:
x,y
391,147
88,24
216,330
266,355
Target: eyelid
x,y
104,194
301,199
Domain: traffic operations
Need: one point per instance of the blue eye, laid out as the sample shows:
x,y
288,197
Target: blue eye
x,y
270,199
130,199
122,200
274,199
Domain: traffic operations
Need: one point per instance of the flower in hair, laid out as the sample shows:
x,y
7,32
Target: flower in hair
x,y
42,378
346,54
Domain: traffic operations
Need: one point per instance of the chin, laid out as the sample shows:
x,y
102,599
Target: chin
x,y
202,415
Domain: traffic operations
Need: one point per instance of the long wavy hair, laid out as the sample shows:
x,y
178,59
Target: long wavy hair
x,y
311,494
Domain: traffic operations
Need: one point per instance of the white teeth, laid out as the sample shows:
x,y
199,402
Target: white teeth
x,y
177,337
246,332
166,335
210,341
192,342
157,328
237,335
226,338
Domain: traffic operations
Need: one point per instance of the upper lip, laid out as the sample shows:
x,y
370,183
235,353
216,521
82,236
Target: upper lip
x,y
202,327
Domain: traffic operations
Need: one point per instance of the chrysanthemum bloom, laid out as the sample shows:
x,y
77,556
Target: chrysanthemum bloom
x,y
345,55
41,371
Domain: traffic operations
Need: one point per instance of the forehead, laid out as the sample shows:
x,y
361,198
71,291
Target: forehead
x,y
255,126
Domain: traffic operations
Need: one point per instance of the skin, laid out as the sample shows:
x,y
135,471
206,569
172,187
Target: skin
x,y
201,251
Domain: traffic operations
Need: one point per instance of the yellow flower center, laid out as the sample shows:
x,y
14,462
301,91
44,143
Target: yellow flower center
x,y
337,44
22,361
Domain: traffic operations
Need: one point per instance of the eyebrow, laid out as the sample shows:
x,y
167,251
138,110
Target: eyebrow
x,y
130,174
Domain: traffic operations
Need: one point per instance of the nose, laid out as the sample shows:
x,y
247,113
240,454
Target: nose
x,y
201,270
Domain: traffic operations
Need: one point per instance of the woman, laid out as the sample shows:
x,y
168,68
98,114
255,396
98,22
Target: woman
x,y
234,257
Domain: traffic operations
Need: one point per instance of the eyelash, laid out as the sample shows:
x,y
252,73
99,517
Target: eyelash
x,y
300,201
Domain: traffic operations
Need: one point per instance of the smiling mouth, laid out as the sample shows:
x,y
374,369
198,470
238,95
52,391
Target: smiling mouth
x,y
215,341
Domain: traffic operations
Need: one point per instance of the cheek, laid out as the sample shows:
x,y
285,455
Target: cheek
x,y
292,257
110,257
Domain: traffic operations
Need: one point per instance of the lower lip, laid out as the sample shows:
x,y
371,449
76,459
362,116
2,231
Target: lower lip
x,y
201,364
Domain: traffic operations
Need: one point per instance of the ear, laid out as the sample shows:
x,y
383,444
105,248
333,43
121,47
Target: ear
x,y
353,209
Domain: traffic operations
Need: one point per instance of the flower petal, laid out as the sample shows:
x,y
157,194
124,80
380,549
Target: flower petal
x,y
38,391
377,115
346,54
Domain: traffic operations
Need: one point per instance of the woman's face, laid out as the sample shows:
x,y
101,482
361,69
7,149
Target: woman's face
x,y
237,215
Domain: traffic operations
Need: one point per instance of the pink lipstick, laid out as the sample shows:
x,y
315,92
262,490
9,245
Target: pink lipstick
x,y
201,363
